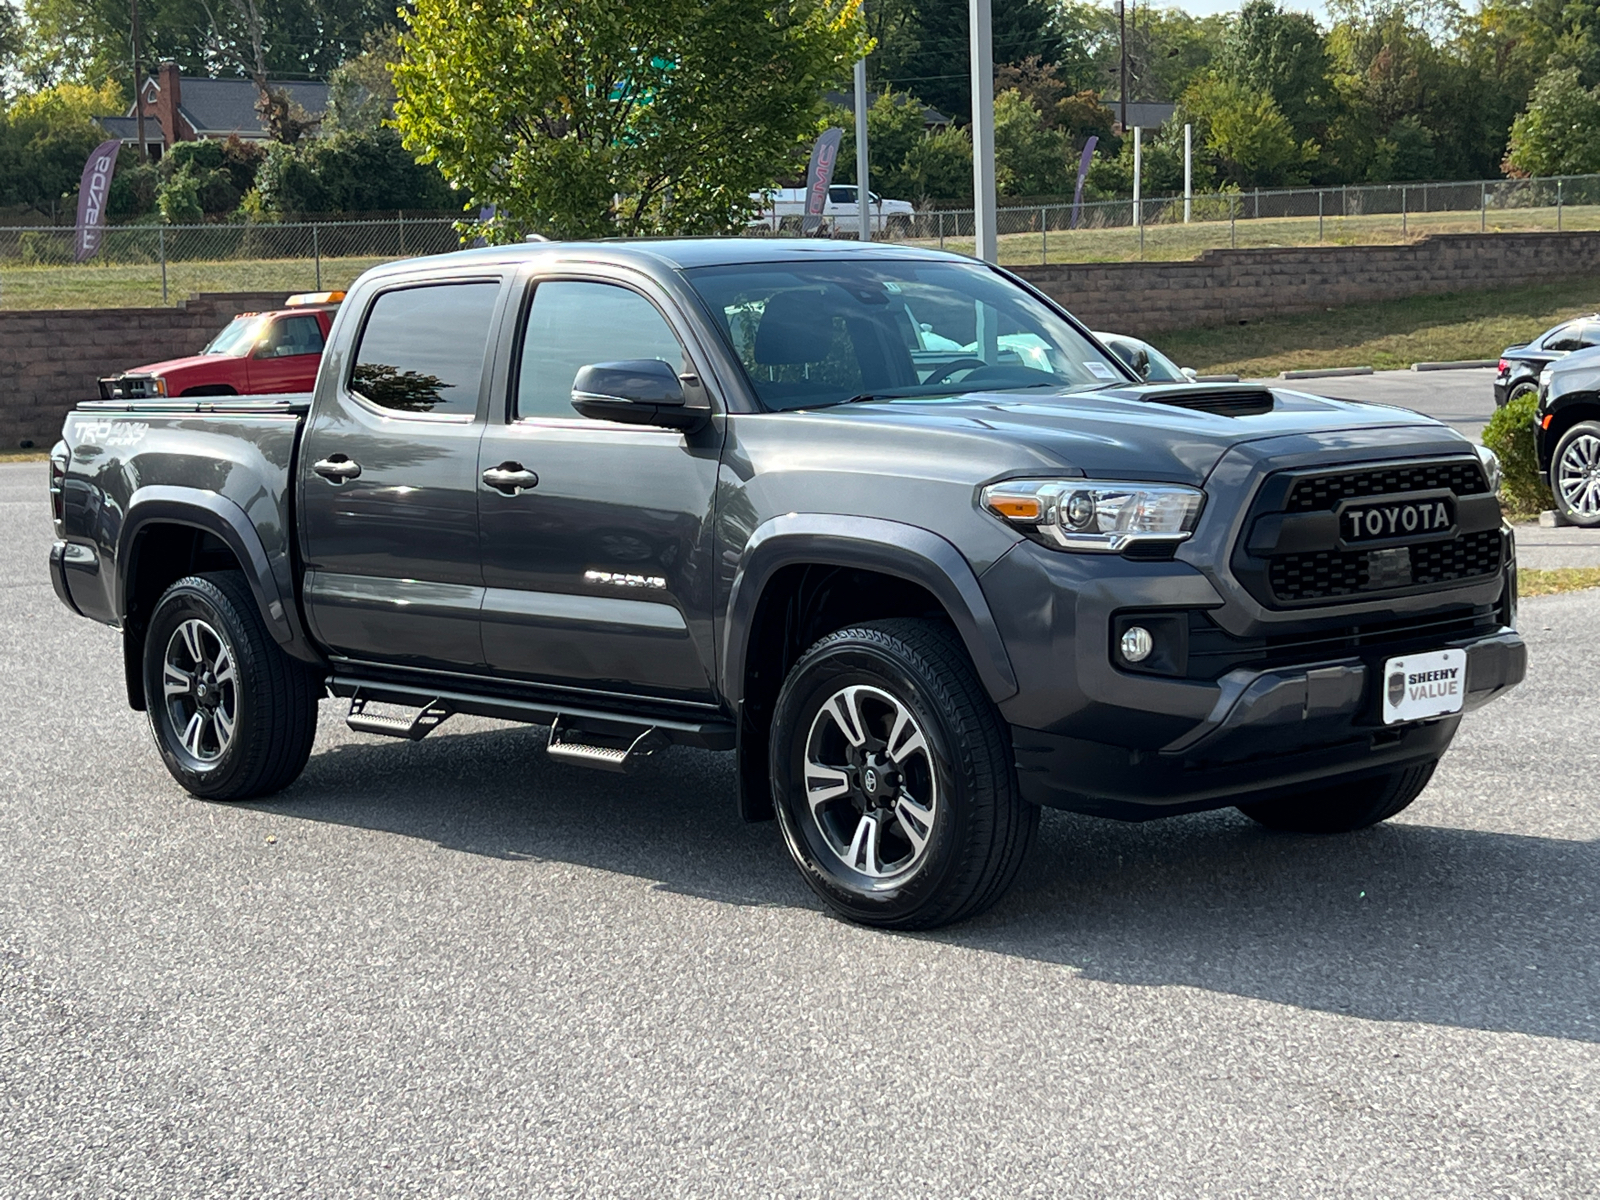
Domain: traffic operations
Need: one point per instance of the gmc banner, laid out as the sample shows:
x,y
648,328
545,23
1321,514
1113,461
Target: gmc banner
x,y
818,176
93,189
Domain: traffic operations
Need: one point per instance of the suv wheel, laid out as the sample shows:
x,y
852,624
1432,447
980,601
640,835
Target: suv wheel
x,y
233,715
1346,807
1575,474
894,780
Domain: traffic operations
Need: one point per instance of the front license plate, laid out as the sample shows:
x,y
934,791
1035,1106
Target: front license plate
x,y
1424,685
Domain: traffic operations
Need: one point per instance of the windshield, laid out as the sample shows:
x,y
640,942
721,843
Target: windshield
x,y
817,333
237,338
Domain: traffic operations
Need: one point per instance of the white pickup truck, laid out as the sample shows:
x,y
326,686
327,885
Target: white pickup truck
x,y
783,209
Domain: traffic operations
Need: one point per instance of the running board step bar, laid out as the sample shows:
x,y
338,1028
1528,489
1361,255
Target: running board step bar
x,y
417,726
565,745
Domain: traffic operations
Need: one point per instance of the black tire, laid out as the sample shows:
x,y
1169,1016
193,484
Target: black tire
x,y
1526,387
242,736
1575,475
1345,807
977,829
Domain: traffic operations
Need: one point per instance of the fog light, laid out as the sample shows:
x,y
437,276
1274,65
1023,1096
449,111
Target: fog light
x,y
1137,643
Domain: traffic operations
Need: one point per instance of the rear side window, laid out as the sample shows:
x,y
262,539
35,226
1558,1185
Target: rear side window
x,y
422,349
1568,337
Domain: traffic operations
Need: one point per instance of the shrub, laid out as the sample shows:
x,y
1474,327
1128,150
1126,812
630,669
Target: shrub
x,y
1510,435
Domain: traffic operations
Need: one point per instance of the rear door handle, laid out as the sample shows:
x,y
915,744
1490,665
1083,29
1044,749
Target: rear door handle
x,y
510,478
337,467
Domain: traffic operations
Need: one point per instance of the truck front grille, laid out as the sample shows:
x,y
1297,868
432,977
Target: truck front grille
x,y
1323,569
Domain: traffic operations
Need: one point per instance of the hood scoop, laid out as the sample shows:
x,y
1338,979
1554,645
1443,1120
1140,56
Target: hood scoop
x,y
1226,400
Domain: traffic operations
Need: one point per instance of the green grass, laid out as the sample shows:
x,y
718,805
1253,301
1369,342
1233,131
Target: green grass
x,y
1179,242
120,285
15,456
1387,335
1553,583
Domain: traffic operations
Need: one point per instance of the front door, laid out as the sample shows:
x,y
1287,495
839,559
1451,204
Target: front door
x,y
389,480
287,356
599,575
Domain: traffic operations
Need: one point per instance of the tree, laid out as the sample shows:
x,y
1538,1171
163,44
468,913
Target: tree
x,y
1246,137
929,56
894,127
361,93
584,118
1281,53
939,167
1030,158
13,41
1559,134
45,139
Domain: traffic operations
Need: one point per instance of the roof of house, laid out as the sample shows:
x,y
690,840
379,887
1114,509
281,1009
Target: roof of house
x,y
127,128
218,107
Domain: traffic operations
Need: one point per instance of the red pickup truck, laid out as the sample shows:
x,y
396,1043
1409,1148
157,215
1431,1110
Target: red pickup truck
x,y
255,353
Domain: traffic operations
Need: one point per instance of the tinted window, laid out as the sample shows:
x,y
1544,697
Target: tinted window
x,y
1568,337
817,333
291,336
1590,336
842,195
571,325
422,350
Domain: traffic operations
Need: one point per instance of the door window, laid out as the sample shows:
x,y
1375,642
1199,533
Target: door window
x,y
1568,337
291,336
423,347
573,324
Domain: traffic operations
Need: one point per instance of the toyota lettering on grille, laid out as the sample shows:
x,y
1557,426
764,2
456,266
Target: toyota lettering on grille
x,y
1384,520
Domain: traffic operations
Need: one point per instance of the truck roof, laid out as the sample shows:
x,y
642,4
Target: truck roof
x,y
680,253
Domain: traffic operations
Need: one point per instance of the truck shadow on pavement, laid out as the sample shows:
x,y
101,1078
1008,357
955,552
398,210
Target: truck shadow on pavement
x,y
1405,922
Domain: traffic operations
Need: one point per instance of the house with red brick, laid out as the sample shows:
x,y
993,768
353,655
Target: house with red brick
x,y
178,109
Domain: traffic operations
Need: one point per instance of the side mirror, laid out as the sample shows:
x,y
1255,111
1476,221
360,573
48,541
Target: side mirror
x,y
1190,374
642,391
1141,363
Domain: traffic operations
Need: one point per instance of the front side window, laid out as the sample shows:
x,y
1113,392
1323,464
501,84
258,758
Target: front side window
x,y
423,347
811,334
572,324
1568,337
292,336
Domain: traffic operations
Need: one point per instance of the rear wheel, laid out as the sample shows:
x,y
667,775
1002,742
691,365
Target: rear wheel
x,y
1526,388
233,715
893,778
1575,474
1345,807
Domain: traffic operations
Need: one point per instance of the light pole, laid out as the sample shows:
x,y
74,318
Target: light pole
x,y
983,198
863,207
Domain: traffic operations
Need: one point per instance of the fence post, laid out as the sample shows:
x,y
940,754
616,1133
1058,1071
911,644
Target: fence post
x,y
163,240
316,253
1483,208
1233,233
400,220
1402,210
1558,206
1044,236
1319,216
941,229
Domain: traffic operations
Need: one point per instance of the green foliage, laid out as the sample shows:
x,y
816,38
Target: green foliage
x,y
45,139
593,118
361,91
1161,169
926,44
1244,136
350,172
1510,435
894,127
1559,133
939,167
178,201
1030,159
1281,54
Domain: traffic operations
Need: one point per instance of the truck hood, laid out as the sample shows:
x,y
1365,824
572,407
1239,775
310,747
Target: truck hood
x,y
1130,433
175,366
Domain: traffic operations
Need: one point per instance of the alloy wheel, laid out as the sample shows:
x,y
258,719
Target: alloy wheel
x,y
1578,475
199,688
870,783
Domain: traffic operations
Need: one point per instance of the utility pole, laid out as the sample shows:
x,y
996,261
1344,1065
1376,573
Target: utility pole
x,y
138,81
983,197
1122,73
863,196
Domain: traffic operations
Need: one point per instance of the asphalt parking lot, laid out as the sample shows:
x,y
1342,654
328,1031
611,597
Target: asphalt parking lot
x,y
454,967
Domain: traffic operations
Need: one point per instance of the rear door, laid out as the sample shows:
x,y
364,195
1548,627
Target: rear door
x,y
389,477
599,575
287,356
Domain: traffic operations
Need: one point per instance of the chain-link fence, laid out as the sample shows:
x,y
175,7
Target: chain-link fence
x,y
161,264
1169,228
141,265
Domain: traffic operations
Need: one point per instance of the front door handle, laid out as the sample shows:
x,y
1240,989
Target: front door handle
x,y
337,468
510,478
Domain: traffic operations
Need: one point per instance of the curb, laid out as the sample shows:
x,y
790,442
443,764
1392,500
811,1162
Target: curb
x,y
1326,373
1466,364
1216,379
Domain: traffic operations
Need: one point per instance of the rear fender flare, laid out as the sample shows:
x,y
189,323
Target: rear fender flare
x,y
161,504
873,544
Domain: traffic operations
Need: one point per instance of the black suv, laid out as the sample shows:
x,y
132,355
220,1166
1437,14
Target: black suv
x,y
887,523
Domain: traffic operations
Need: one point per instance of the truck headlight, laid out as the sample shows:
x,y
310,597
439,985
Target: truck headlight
x,y
1491,467
1097,516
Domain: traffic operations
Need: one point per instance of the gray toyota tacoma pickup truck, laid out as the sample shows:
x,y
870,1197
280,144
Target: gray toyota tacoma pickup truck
x,y
886,523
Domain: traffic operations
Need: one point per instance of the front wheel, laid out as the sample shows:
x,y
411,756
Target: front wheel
x,y
1346,807
232,714
1575,474
894,780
